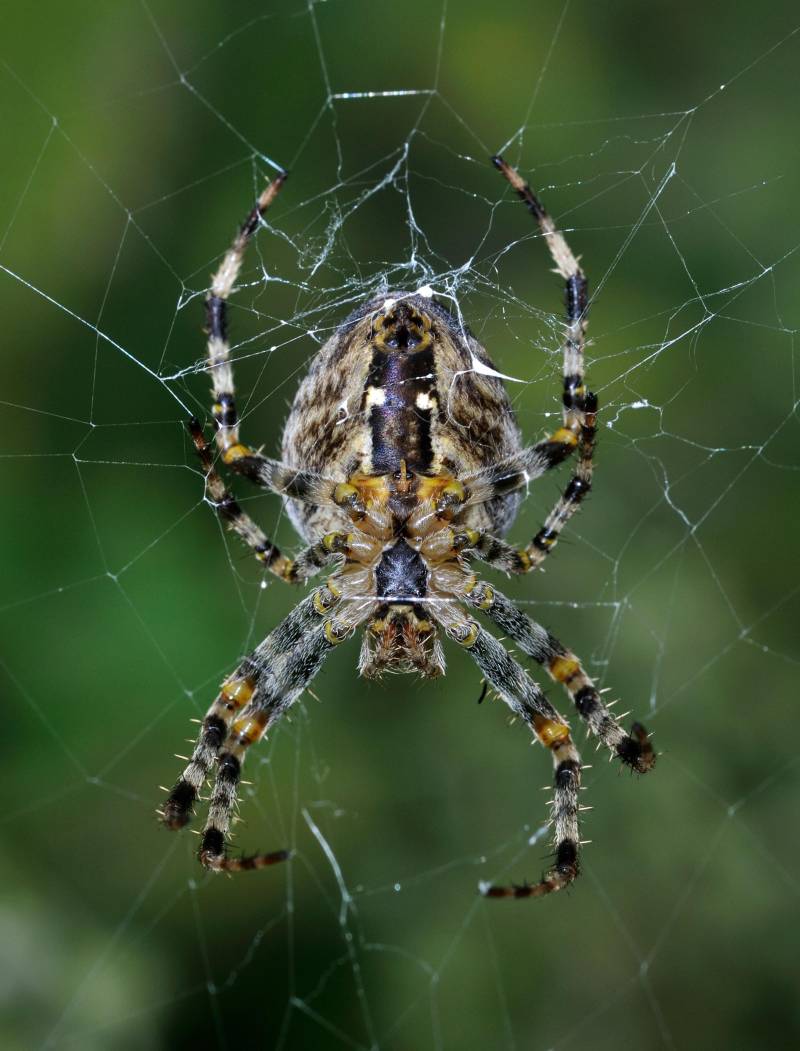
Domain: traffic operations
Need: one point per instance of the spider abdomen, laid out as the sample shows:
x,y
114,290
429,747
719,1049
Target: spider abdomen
x,y
400,381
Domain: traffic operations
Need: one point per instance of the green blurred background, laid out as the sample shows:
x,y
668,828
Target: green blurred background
x,y
664,137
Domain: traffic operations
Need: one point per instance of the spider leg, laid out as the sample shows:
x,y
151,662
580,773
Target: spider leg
x,y
580,404
524,467
222,284
526,700
235,693
278,684
264,685
306,564
269,474
563,666
492,550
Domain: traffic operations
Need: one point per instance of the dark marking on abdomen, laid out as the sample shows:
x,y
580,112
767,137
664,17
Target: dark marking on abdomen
x,y
401,430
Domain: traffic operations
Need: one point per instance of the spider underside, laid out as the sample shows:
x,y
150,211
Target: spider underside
x,y
402,466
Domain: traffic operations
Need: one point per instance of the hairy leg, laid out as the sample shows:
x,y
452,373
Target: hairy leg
x,y
526,700
579,404
634,748
264,685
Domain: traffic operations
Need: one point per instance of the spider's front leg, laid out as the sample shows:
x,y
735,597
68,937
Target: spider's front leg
x,y
267,473
526,700
305,565
579,404
222,284
234,695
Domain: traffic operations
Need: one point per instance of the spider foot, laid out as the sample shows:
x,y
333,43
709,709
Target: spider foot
x,y
636,751
245,864
551,882
564,872
212,856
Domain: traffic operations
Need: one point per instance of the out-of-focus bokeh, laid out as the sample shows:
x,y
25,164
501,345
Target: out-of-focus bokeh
x,y
134,137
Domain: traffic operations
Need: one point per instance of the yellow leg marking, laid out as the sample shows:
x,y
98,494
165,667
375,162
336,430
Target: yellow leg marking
x,y
564,436
335,542
324,598
452,495
465,538
471,584
282,567
365,489
470,638
550,733
430,486
251,729
349,498
487,598
237,692
563,669
525,560
336,633
236,452
344,493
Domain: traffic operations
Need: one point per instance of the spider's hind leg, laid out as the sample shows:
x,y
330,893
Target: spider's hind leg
x,y
634,748
526,700
287,661
564,816
235,693
254,698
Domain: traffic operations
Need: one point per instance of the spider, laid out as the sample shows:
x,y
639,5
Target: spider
x,y
402,466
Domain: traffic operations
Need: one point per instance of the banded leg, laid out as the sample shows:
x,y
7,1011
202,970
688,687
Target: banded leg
x,y
269,474
222,284
580,404
570,500
527,701
492,550
236,692
634,749
277,685
525,467
306,564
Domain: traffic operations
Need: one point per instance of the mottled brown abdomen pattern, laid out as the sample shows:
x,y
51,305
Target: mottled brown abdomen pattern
x,y
400,380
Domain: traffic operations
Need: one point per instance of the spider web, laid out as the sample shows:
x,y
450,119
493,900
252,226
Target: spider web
x,y
135,136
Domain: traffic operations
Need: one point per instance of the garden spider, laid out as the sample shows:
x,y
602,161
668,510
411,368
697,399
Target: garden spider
x,y
419,479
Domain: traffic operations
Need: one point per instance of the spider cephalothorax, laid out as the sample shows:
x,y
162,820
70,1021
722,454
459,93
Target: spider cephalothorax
x,y
402,465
